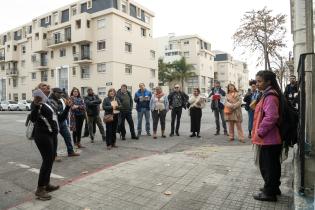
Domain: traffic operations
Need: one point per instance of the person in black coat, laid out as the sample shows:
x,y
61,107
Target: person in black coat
x,y
46,129
177,101
291,92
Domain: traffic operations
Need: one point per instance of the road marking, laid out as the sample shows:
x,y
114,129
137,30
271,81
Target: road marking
x,y
35,170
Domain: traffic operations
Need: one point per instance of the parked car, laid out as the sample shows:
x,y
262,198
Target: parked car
x,y
12,106
4,105
24,105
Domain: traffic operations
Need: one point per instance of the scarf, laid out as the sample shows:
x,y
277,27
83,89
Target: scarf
x,y
159,95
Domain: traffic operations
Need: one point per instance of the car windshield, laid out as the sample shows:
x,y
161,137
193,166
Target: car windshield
x,y
29,101
12,102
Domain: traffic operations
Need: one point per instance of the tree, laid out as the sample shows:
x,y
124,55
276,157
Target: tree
x,y
281,69
261,32
180,71
164,72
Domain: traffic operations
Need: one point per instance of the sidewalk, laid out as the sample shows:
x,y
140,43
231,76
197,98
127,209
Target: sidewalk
x,y
221,177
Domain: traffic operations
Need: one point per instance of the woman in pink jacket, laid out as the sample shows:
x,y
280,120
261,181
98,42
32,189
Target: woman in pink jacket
x,y
266,135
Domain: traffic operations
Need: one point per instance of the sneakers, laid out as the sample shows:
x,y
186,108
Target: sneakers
x,y
42,194
73,154
58,159
135,137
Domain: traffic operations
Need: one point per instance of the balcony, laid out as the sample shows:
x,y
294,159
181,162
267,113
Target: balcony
x,y
41,64
2,58
81,29
82,58
59,40
12,72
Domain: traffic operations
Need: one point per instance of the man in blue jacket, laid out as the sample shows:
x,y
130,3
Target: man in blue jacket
x,y
142,99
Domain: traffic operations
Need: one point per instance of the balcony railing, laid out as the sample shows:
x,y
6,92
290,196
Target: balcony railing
x,y
12,72
2,58
59,40
41,64
82,57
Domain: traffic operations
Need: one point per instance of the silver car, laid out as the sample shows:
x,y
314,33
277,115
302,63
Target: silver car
x,y
9,105
24,105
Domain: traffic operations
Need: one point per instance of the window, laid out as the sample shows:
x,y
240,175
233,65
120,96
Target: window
x,y
2,67
74,10
52,73
186,54
78,24
43,76
128,69
62,52
101,91
84,90
34,75
74,71
14,82
56,18
129,88
128,47
15,47
143,32
152,73
124,6
37,36
151,85
88,23
47,20
101,67
101,23
23,49
74,50
186,42
23,96
51,54
128,26
23,63
101,45
85,72
89,4
33,58
152,53
44,36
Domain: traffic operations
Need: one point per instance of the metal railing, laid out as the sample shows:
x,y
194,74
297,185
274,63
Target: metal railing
x,y
2,57
302,111
84,55
12,72
62,38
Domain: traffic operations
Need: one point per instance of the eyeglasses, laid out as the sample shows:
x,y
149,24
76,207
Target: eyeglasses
x,y
176,87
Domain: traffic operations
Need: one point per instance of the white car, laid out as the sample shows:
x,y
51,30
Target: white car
x,y
4,105
24,105
13,106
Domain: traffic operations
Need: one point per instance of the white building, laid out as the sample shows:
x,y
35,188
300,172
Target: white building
x,y
99,44
230,71
197,52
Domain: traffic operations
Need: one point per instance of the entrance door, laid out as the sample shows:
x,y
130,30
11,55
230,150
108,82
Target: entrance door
x,y
63,78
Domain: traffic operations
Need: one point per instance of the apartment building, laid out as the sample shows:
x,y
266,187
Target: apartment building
x,y
230,71
197,52
99,44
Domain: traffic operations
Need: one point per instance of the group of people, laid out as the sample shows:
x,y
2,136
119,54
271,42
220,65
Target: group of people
x,y
54,112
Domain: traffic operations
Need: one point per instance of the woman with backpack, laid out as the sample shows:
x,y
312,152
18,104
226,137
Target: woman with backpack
x,y
233,112
266,135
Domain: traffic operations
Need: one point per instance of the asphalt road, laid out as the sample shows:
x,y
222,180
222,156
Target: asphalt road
x,y
20,159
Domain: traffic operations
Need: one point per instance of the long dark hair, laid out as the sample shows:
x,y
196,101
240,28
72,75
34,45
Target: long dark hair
x,y
228,88
73,89
270,76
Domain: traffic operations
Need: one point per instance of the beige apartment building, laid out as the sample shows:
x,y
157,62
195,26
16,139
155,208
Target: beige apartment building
x,y
230,71
197,52
99,44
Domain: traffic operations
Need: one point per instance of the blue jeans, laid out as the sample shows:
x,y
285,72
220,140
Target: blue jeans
x,y
146,113
65,133
250,119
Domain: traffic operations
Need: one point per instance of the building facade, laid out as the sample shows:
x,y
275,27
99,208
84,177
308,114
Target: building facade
x,y
99,44
197,52
230,71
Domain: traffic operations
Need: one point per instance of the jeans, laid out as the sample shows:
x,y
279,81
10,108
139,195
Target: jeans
x,y
217,114
156,116
250,119
270,167
78,129
111,129
65,133
126,115
47,146
146,113
96,119
176,114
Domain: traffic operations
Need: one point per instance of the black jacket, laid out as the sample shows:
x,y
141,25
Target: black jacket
x,y
107,106
184,97
119,96
290,94
92,105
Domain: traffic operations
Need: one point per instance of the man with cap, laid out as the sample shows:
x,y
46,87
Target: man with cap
x,y
59,106
92,102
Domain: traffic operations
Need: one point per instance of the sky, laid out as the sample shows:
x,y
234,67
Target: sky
x,y
214,20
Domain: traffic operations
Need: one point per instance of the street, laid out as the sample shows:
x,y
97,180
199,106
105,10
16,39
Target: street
x,y
20,159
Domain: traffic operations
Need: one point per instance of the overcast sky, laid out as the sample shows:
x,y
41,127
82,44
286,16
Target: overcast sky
x,y
214,20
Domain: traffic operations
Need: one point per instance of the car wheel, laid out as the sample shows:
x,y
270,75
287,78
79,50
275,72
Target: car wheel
x,y
27,109
9,108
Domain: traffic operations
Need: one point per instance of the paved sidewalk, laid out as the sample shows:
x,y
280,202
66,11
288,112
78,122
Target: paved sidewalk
x,y
203,178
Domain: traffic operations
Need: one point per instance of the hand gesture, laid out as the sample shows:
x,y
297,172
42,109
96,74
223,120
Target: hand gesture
x,y
75,107
68,102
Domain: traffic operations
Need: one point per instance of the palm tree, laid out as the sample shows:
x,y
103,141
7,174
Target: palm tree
x,y
164,72
181,71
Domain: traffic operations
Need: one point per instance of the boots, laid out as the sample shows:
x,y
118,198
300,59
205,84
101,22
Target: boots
x,y
51,188
42,194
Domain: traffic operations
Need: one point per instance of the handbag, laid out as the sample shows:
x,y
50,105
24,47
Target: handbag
x,y
108,118
30,130
227,110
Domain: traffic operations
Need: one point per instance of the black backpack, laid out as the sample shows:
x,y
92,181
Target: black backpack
x,y
288,121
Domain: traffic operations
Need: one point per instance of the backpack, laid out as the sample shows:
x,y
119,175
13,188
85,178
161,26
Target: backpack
x,y
288,121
